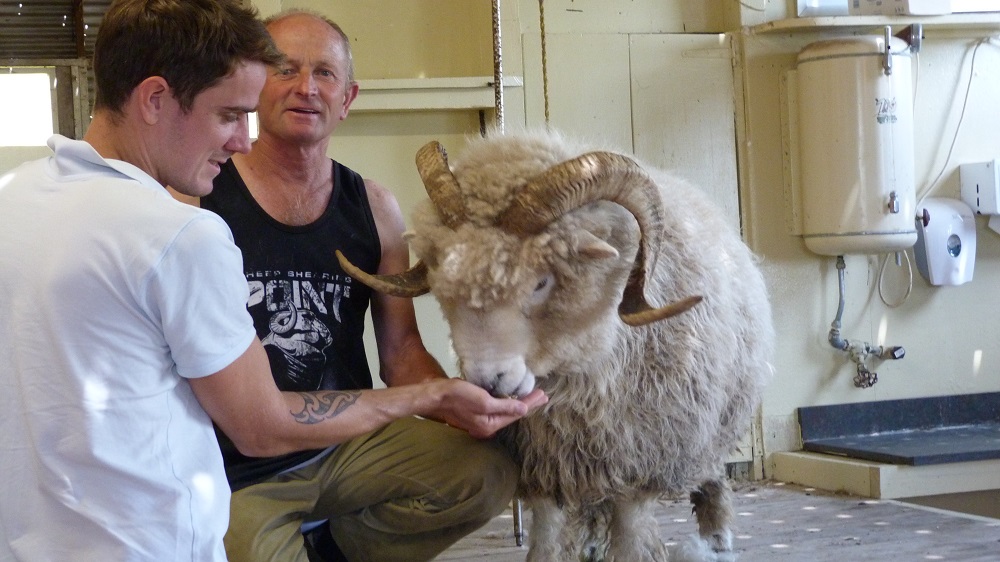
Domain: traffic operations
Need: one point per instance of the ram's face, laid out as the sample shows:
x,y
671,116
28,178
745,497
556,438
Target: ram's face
x,y
515,306
493,347
491,287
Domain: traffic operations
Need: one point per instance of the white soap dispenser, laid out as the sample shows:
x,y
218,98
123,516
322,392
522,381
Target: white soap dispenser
x,y
946,241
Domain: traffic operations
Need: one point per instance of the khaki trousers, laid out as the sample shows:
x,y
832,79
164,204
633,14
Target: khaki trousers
x,y
403,493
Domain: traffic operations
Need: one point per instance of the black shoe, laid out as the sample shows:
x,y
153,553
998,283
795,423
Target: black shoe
x,y
321,547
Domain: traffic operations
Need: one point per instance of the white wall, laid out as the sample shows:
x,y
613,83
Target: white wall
x,y
949,333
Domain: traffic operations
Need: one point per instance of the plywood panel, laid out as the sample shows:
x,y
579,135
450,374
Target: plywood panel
x,y
587,84
683,110
413,38
626,16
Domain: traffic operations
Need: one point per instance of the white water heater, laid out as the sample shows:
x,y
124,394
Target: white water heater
x,y
855,119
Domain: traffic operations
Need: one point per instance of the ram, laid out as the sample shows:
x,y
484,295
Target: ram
x,y
545,259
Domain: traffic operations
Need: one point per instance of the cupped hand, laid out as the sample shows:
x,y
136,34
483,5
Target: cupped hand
x,y
469,407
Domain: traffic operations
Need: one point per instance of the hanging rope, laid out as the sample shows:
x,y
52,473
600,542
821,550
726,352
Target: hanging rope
x,y
545,70
497,66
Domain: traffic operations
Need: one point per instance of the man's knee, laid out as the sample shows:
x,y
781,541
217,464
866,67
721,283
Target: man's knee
x,y
491,471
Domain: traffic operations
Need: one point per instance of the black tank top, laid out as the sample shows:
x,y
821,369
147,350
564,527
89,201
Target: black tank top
x,y
308,313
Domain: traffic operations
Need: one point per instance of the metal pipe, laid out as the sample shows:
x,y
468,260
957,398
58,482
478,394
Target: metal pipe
x,y
518,524
834,336
497,66
860,352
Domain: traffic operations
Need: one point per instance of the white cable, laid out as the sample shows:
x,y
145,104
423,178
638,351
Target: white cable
x,y
961,119
928,189
909,284
754,8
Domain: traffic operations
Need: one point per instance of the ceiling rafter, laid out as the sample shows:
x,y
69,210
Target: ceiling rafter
x,y
40,29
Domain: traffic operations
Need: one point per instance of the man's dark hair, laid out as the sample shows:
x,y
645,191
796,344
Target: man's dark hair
x,y
192,44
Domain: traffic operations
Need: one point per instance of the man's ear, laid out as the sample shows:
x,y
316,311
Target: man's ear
x,y
350,94
151,97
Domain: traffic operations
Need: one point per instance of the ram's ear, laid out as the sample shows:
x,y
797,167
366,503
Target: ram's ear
x,y
424,248
590,246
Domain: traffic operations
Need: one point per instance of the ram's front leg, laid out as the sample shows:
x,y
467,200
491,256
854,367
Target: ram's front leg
x,y
635,534
547,539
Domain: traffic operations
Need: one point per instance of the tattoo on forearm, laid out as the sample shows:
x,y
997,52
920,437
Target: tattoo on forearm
x,y
320,406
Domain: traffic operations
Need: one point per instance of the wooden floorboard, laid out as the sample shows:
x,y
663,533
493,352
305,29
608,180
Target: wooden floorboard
x,y
784,522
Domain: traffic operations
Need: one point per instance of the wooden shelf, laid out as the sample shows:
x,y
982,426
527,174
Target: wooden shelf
x,y
969,21
416,94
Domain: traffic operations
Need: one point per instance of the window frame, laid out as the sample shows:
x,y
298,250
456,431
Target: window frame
x,y
71,104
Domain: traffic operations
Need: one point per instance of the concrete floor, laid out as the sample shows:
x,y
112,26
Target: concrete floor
x,y
785,522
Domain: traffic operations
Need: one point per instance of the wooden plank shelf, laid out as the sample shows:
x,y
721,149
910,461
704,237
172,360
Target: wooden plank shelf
x,y
417,94
968,22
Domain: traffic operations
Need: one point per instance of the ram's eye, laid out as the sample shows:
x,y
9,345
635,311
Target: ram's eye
x,y
543,288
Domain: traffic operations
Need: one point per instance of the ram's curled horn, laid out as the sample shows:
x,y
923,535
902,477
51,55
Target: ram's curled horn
x,y
411,283
593,177
441,185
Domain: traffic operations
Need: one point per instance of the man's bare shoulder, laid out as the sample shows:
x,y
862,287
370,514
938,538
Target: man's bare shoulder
x,y
381,198
385,209
378,193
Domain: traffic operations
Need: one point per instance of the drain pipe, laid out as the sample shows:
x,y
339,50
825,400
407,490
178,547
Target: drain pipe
x,y
859,352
